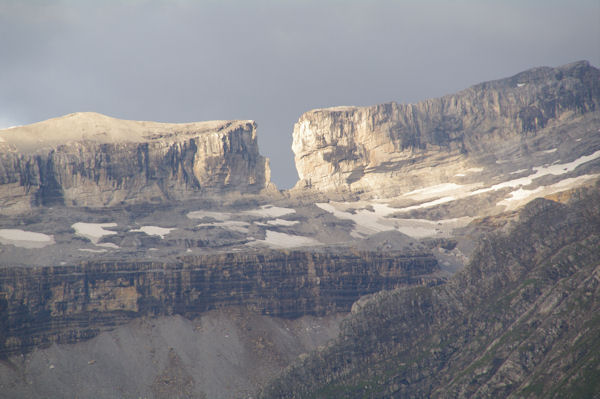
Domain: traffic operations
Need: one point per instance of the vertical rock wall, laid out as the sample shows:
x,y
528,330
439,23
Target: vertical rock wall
x,y
372,148
42,305
114,162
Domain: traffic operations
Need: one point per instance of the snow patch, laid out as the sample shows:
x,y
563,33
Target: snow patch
x,y
438,201
372,222
269,211
521,196
475,170
540,171
516,172
367,222
283,240
93,231
154,231
25,239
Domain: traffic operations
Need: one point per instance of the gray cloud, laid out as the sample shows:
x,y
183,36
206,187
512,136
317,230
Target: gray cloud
x,y
270,60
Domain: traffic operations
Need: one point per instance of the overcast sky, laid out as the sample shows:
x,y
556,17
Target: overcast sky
x,y
180,61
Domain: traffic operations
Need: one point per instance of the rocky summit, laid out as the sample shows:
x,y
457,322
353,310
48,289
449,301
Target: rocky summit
x,y
496,127
89,159
447,248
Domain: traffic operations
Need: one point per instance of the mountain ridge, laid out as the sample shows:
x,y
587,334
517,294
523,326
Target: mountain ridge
x,y
119,223
370,149
517,321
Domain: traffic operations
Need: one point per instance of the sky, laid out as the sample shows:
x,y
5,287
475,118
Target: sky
x,y
270,61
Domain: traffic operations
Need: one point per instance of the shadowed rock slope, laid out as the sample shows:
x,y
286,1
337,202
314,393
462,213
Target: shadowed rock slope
x,y
67,304
521,320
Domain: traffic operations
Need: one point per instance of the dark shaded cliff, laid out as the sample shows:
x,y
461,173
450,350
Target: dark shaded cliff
x,y
521,320
43,305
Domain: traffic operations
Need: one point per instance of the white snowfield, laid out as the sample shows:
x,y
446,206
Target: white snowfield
x,y
371,222
540,171
93,231
282,240
521,196
269,211
452,191
154,231
25,239
516,172
368,222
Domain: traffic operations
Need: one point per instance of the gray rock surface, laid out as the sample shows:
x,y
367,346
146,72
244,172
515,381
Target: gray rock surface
x,y
387,149
88,159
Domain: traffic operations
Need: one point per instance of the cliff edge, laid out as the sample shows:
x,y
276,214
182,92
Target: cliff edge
x,y
392,148
89,159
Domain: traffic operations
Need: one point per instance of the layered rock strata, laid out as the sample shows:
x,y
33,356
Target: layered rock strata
x,y
88,159
393,148
43,305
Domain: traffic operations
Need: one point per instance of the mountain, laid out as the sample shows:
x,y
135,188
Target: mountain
x,y
460,233
521,320
89,159
495,127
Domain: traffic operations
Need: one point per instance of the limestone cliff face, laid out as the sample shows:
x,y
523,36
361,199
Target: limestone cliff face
x,y
88,159
65,304
390,147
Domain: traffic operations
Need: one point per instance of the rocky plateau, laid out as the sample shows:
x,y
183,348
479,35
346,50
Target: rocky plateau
x,y
91,160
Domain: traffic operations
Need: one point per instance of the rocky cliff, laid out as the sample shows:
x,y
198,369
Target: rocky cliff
x,y
393,148
88,159
521,320
65,304
102,198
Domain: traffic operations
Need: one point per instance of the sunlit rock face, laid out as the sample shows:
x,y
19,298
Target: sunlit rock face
x,y
393,148
88,159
